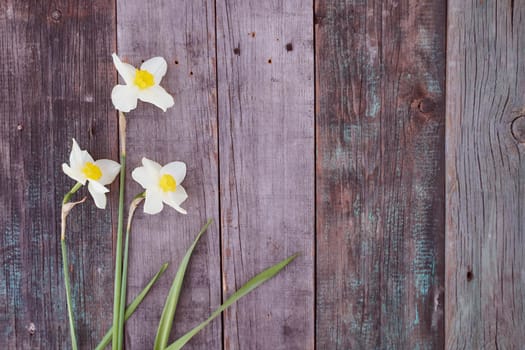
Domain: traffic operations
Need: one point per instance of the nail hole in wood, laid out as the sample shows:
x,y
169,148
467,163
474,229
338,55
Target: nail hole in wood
x,y
289,47
518,128
470,276
56,15
270,61
176,62
237,51
252,34
191,73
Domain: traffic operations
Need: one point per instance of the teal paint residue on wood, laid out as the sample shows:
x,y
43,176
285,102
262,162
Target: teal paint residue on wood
x,y
433,85
350,132
423,282
372,217
12,267
354,284
356,206
374,105
416,320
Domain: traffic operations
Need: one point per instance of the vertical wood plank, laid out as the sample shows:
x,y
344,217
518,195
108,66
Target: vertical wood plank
x,y
266,123
380,173
183,32
54,85
485,186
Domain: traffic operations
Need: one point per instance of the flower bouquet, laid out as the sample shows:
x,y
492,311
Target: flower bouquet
x,y
162,184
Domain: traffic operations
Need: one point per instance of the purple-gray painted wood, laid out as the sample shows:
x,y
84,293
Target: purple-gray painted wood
x,y
266,128
55,82
485,184
183,32
380,174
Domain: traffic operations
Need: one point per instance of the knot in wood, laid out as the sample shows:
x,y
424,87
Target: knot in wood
x,y
56,15
31,328
426,105
518,128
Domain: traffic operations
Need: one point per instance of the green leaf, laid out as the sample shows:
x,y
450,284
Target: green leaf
x,y
132,307
166,319
245,289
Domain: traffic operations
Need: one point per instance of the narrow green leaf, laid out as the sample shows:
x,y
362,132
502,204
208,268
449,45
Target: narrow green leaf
x,y
245,289
166,319
132,307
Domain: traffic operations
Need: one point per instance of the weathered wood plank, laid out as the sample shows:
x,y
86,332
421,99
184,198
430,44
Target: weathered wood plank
x,y
485,186
54,85
184,33
380,174
266,123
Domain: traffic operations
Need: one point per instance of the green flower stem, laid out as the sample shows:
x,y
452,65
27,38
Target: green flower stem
x,y
118,253
65,263
132,307
68,296
72,191
134,204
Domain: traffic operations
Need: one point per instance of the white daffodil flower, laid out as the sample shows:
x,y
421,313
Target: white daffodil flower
x,y
142,84
162,185
83,168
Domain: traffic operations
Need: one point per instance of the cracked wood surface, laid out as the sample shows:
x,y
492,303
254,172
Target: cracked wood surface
x,y
55,81
485,175
380,174
356,179
183,32
266,143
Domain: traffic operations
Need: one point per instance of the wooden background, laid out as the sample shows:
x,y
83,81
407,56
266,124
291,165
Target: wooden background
x,y
384,140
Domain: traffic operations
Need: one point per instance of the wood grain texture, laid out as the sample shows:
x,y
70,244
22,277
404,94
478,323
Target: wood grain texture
x,y
485,183
266,128
380,174
183,32
55,82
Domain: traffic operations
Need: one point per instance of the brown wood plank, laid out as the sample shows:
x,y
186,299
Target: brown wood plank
x,y
183,32
485,187
55,84
380,174
266,123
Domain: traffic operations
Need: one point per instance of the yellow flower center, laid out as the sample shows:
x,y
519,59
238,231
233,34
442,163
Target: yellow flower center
x,y
167,183
143,79
92,171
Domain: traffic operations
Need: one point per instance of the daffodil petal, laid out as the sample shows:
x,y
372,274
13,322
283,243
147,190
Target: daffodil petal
x,y
97,186
179,195
157,96
126,71
124,97
175,199
151,166
153,203
86,157
180,209
175,169
75,157
73,174
141,175
78,157
98,197
157,66
110,170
